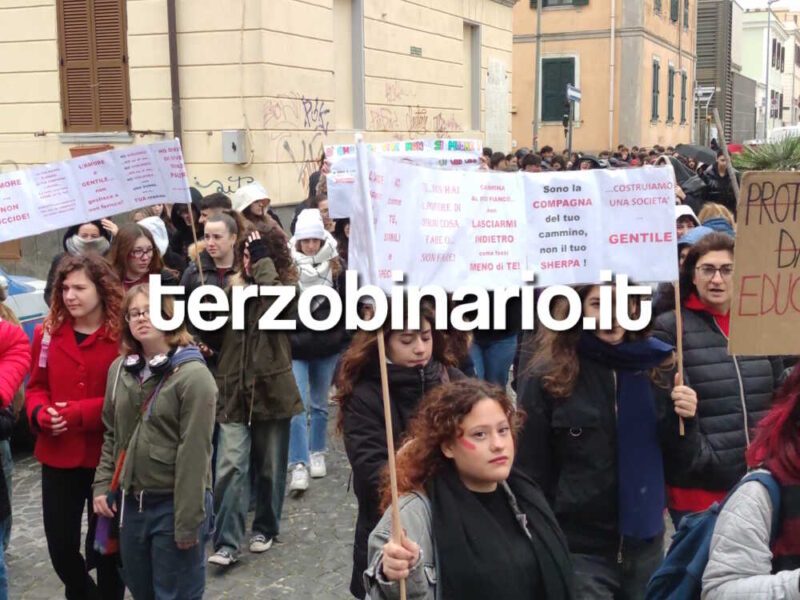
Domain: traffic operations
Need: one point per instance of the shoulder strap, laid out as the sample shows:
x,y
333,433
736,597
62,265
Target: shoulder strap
x,y
774,489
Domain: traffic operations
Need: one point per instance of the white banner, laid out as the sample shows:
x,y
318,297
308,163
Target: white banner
x,y
486,228
91,187
443,153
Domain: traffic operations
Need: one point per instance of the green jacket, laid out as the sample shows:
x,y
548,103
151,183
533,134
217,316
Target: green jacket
x,y
254,368
170,451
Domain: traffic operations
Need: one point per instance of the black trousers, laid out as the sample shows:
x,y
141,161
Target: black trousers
x,y
65,495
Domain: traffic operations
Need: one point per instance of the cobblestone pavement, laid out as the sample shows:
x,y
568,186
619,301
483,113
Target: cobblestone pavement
x,y
312,560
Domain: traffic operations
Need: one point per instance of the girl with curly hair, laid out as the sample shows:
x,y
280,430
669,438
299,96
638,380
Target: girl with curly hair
x,y
474,527
600,425
72,352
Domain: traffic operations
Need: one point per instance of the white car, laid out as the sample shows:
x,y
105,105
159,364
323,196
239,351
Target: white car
x,y
26,299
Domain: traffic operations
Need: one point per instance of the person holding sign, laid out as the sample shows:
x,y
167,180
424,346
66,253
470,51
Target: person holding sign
x,y
474,528
600,423
134,257
418,360
734,392
72,352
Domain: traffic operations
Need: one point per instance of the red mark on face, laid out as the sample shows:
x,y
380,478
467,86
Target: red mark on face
x,y
467,444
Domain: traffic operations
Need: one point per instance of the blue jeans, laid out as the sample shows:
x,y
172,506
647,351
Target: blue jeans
x,y
314,381
492,360
269,442
153,565
3,571
8,470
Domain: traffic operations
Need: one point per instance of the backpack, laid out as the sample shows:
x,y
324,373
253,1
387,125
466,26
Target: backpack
x,y
680,576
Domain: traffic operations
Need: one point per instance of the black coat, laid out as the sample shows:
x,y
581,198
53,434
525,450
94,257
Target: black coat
x,y
733,395
569,447
308,344
719,189
364,432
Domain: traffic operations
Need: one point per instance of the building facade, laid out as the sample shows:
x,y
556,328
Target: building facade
x,y
289,76
640,95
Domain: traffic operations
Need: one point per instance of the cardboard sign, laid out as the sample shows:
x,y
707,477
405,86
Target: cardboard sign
x,y
90,187
487,228
765,311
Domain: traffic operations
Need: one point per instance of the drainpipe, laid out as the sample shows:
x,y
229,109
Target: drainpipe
x,y
680,52
611,75
538,70
172,28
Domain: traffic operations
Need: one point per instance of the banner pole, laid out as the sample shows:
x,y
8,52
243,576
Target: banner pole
x,y
397,526
679,344
194,236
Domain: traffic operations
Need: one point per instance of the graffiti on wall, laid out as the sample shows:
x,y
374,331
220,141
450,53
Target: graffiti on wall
x,y
234,182
413,120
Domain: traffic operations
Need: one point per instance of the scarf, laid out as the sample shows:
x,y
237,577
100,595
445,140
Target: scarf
x,y
640,465
315,270
79,247
474,562
723,321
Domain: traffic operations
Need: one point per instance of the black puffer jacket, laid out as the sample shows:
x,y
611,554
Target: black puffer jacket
x,y
569,447
308,344
733,395
364,431
719,189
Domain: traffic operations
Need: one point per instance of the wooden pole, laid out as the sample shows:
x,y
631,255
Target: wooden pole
x,y
194,236
679,344
724,146
397,526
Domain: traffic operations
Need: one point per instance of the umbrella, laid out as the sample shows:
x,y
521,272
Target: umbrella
x,y
699,153
682,172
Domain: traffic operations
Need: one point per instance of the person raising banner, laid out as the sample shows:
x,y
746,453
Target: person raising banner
x,y
417,361
600,422
474,528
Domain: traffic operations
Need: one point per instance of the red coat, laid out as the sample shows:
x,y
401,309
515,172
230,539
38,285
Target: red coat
x,y
15,359
76,375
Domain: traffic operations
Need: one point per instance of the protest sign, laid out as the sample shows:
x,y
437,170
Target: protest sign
x,y
90,187
765,311
443,153
487,228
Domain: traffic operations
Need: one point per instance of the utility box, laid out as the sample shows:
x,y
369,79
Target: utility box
x,y
234,146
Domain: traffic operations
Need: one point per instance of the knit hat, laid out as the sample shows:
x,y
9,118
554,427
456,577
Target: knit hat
x,y
694,235
684,210
159,231
309,225
246,195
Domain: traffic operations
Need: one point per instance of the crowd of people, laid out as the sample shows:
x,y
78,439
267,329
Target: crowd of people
x,y
169,439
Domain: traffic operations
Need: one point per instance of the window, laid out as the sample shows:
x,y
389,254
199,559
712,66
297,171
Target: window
x,y
774,50
557,73
654,110
93,65
673,10
783,57
683,97
348,64
686,14
671,94
472,76
657,6
548,3
780,105
797,55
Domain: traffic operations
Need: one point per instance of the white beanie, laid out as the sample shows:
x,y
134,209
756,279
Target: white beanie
x,y
247,194
159,231
309,225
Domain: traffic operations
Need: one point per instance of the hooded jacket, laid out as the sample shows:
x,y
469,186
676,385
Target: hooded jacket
x,y
364,431
182,237
719,188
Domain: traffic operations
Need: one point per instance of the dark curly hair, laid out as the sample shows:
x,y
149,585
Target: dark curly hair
x,y
277,248
438,421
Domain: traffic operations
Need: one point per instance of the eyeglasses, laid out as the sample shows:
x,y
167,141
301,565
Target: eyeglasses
x,y
708,271
135,315
141,252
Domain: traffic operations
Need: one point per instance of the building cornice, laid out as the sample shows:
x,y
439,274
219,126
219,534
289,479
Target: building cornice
x,y
598,34
509,3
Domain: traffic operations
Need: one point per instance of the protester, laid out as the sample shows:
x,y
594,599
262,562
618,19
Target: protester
x,y
134,257
717,217
719,189
734,392
72,352
685,219
171,259
213,204
547,155
341,233
498,162
181,217
744,560
258,397
664,297
417,361
486,157
493,532
492,350
600,424
314,353
94,236
158,414
253,202
313,183
558,164
532,163
15,360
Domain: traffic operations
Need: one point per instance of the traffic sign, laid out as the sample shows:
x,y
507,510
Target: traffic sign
x,y
573,93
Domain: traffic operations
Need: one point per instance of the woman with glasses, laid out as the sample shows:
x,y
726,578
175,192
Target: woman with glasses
x,y
733,392
134,257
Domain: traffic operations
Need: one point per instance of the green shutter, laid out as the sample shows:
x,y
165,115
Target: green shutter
x,y
683,98
657,6
574,3
556,74
673,10
580,2
671,95
686,14
654,110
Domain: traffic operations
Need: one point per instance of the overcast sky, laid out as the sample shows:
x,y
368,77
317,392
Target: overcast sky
x,y
790,4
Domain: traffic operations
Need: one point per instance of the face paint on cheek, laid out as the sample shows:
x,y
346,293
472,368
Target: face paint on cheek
x,y
467,444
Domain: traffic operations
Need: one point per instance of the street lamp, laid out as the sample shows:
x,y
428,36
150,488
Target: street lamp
x,y
767,99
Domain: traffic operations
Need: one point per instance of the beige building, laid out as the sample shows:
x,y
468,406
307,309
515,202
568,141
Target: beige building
x,y
286,76
640,95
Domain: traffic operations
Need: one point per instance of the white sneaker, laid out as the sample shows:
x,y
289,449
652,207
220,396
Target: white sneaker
x,y
318,465
259,543
299,482
222,558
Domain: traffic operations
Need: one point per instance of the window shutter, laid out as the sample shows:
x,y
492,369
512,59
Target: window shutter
x,y
111,60
657,6
654,111
686,14
671,95
683,97
580,2
75,65
673,10
556,74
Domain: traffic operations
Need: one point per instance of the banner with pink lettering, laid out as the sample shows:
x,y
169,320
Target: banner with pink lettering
x,y
486,229
90,187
